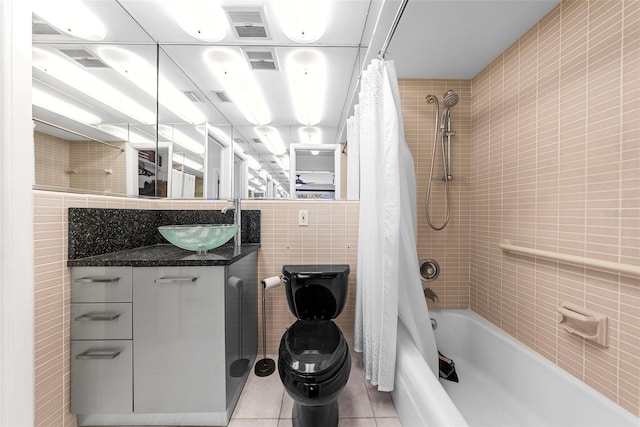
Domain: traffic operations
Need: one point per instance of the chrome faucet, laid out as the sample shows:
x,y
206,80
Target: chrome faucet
x,y
429,294
237,210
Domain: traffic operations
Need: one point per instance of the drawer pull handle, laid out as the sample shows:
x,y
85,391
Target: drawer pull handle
x,y
99,354
97,317
176,280
101,279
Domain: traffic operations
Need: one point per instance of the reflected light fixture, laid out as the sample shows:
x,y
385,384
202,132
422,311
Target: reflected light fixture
x,y
270,137
283,161
181,139
185,161
201,19
231,70
73,75
310,135
303,21
252,163
315,152
71,17
126,134
63,108
141,73
307,75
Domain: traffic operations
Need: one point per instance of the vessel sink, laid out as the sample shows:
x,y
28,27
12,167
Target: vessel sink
x,y
198,237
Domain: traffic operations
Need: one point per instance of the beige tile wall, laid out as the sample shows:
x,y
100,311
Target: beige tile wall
x,y
555,165
450,246
51,160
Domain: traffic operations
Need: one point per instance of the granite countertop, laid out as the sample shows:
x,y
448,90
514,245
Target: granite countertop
x,y
165,256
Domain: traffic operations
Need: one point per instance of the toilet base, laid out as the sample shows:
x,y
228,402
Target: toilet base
x,y
315,416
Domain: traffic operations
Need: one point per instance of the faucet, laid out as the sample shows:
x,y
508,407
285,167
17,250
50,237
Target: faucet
x,y
237,210
429,294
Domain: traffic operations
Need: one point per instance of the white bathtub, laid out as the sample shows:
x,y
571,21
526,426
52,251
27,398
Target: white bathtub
x,y
502,383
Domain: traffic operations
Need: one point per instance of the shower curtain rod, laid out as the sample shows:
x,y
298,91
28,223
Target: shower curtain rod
x,y
396,21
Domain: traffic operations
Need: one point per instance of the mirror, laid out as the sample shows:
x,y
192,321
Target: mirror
x,y
206,104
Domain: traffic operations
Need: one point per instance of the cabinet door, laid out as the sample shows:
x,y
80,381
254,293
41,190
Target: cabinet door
x,y
101,284
178,330
101,377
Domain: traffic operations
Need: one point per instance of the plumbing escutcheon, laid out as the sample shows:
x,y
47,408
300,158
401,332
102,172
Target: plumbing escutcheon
x,y
429,270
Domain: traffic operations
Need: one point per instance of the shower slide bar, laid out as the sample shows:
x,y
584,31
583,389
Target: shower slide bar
x,y
616,267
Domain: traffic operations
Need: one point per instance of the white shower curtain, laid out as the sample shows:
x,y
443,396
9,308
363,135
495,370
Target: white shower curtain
x,y
388,281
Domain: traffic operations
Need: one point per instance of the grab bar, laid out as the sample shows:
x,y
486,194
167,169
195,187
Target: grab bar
x,y
616,267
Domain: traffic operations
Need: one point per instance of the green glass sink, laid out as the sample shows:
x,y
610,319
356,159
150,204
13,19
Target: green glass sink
x,y
198,237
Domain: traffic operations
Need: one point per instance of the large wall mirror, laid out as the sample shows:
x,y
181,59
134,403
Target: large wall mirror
x,y
196,98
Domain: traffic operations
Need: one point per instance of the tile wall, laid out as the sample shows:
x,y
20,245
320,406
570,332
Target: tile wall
x,y
555,165
450,246
51,160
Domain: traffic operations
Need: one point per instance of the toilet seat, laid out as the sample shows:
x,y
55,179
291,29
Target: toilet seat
x,y
318,361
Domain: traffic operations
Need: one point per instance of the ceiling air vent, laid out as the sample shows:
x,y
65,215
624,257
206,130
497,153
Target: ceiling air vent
x,y
248,23
43,28
256,140
261,59
84,58
222,96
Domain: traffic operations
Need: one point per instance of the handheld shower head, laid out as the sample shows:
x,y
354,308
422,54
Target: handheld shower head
x,y
431,99
450,99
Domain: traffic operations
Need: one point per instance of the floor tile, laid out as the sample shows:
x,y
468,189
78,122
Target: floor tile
x,y
381,402
357,422
388,422
255,422
260,398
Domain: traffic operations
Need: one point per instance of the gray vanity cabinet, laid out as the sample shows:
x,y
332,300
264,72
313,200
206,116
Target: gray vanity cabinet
x,y
179,332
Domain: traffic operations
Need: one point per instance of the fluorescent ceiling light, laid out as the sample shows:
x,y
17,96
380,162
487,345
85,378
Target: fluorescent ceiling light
x,y
71,17
58,106
252,163
283,161
315,152
231,70
177,158
270,137
126,134
181,139
310,135
201,19
141,73
73,75
307,75
303,21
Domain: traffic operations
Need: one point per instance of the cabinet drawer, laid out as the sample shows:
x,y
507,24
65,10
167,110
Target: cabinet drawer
x,y
101,284
101,321
101,377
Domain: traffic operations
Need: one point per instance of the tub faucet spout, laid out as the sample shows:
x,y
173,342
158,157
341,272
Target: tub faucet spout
x,y
237,211
429,294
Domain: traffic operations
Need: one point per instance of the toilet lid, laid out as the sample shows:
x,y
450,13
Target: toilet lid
x,y
312,346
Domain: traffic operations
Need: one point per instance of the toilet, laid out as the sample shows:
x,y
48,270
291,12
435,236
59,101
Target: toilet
x,y
313,359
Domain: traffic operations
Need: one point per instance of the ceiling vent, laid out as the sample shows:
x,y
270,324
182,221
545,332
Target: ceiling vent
x,y
256,140
263,59
248,23
192,96
41,27
84,58
222,96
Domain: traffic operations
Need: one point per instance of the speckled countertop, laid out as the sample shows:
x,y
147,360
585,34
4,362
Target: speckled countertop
x,y
166,255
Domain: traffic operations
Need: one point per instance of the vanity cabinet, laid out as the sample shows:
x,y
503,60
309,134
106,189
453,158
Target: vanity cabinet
x,y
152,345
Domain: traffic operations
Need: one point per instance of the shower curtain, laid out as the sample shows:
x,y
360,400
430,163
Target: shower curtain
x,y
388,278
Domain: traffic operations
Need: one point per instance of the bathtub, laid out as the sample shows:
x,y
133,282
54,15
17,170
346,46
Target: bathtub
x,y
502,383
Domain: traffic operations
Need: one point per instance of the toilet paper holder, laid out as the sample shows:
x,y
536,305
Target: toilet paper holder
x,y
585,323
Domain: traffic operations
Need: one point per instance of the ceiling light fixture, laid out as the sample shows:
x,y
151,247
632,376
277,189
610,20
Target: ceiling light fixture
x,y
58,106
181,139
315,152
283,161
252,163
73,75
303,21
181,159
71,17
126,134
231,70
201,19
270,137
310,135
307,74
141,73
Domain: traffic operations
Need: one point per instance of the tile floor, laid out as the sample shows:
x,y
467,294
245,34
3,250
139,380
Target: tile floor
x,y
264,403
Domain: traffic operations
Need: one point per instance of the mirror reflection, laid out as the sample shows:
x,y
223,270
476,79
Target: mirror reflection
x,y
195,98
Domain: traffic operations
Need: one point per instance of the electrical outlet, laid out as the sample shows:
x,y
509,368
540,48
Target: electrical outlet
x,y
303,217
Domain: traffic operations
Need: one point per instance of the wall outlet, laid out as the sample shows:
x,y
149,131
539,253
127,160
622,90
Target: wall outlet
x,y
303,217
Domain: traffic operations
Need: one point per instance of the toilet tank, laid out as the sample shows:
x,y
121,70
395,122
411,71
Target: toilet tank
x,y
316,292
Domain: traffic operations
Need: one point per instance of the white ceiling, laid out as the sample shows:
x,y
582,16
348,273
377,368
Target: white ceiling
x,y
434,39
